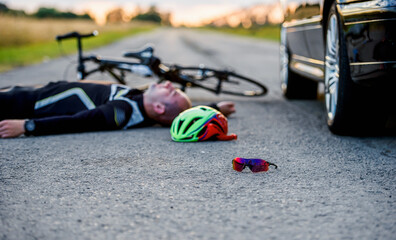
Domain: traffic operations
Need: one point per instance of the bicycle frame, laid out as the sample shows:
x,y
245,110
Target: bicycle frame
x,y
148,64
104,65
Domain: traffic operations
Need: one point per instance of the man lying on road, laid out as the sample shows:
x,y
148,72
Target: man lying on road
x,y
71,107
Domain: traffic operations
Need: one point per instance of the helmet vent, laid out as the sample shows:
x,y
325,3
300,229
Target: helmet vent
x,y
180,124
202,132
191,123
187,138
217,124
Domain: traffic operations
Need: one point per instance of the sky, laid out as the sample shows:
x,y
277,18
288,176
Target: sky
x,y
187,12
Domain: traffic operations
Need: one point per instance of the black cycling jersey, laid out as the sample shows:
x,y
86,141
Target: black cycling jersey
x,y
65,107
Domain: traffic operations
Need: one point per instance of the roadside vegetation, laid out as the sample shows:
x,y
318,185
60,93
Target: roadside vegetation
x,y
30,38
27,40
268,32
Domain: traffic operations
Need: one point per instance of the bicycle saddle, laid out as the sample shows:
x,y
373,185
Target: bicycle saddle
x,y
144,55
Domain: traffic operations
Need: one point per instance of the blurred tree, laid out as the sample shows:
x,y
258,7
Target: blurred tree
x,y
151,15
166,19
5,10
115,16
3,7
44,12
85,16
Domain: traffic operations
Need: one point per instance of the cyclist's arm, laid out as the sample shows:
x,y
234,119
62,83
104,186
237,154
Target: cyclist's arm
x,y
225,107
96,82
111,116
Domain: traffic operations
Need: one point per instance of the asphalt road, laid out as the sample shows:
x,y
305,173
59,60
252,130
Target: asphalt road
x,y
138,184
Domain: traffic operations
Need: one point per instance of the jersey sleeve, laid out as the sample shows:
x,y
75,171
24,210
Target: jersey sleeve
x,y
212,105
111,116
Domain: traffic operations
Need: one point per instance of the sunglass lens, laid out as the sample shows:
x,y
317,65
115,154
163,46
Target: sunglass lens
x,y
259,167
237,165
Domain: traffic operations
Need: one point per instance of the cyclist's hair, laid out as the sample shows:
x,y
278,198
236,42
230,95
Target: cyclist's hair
x,y
172,110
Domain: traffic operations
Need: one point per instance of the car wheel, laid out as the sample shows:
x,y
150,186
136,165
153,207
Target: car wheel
x,y
293,85
351,108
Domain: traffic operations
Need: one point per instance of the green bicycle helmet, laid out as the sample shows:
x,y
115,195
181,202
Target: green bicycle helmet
x,y
199,124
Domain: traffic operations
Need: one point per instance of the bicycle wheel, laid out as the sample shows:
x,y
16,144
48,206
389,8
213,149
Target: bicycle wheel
x,y
221,81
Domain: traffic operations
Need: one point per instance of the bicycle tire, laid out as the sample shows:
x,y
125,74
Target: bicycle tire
x,y
246,87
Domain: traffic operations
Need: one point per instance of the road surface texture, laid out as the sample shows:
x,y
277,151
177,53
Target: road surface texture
x,y
138,184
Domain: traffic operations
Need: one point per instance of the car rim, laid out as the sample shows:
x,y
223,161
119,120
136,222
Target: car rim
x,y
284,61
332,68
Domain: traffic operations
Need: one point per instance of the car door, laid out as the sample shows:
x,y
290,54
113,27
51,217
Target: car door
x,y
305,38
314,33
294,22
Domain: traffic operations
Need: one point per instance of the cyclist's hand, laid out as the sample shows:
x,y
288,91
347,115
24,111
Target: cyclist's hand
x,y
226,107
12,128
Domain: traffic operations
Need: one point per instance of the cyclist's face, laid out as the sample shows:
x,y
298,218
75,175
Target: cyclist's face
x,y
167,93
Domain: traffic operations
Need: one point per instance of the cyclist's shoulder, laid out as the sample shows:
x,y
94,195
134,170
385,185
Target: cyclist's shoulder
x,y
81,84
121,93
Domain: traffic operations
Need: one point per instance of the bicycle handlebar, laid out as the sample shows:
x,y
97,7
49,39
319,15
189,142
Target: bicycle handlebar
x,y
76,35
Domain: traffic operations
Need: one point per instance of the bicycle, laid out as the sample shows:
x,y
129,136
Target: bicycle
x,y
148,65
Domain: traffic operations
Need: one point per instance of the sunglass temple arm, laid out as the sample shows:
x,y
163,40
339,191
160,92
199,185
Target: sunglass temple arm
x,y
269,164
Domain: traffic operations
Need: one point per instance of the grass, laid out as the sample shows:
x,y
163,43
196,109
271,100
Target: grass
x,y
25,41
268,32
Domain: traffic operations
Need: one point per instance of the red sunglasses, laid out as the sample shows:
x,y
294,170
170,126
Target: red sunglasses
x,y
255,165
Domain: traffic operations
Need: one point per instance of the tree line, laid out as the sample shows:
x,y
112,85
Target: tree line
x,y
42,12
152,15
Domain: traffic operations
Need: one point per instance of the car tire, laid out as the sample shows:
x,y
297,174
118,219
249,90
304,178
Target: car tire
x,y
293,85
351,109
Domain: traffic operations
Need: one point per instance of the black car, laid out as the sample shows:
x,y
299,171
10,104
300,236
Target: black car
x,y
350,46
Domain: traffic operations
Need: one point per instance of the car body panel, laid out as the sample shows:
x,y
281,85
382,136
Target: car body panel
x,y
369,31
370,34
